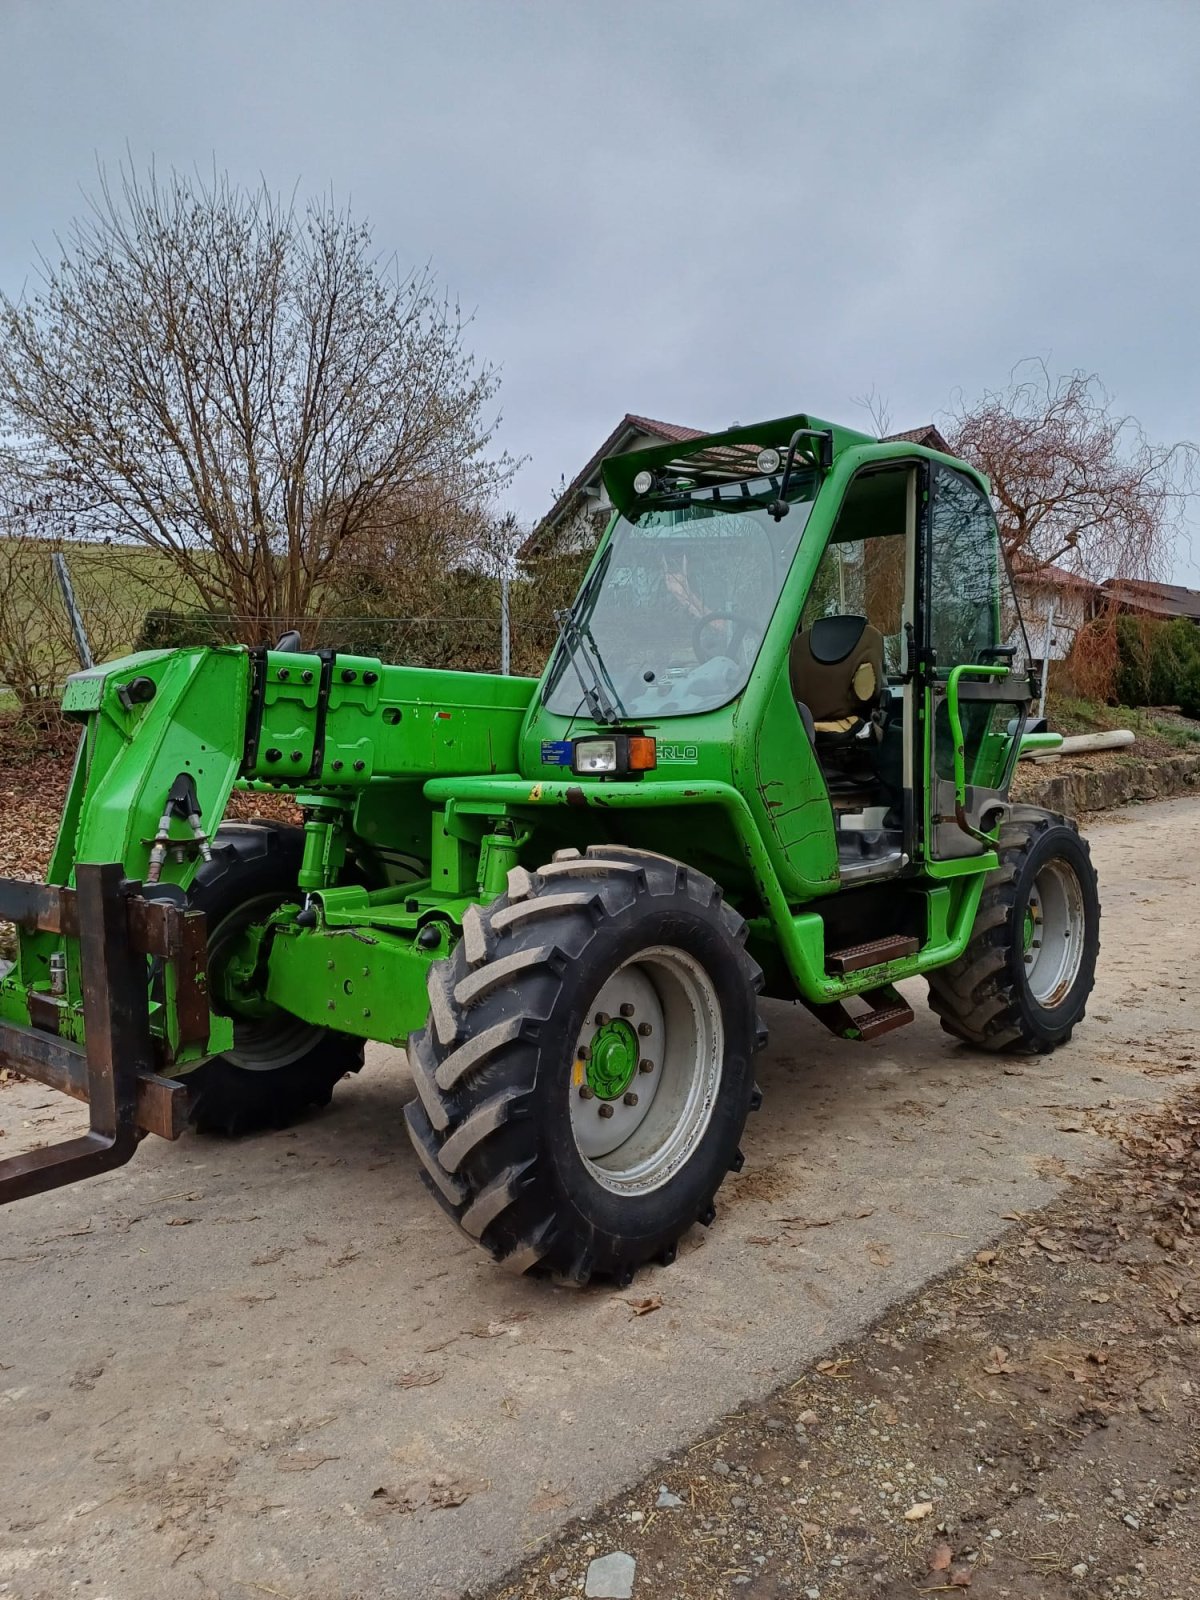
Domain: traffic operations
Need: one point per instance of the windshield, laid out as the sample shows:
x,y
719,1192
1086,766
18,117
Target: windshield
x,y
672,616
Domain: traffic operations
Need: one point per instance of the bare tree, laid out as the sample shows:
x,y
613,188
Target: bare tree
x,y
877,408
242,385
1075,483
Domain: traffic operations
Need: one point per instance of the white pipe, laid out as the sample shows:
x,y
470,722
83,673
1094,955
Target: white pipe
x,y
1079,744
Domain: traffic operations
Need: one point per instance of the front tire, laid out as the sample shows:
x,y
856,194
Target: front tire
x,y
1024,979
280,1067
585,1074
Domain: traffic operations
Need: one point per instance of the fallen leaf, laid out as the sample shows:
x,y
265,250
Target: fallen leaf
x,y
998,1361
919,1512
940,1557
442,1493
961,1577
985,1257
878,1254
180,1222
343,1356
643,1307
418,1380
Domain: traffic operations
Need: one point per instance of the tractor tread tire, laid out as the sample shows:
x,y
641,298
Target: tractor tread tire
x,y
476,1064
225,1098
982,997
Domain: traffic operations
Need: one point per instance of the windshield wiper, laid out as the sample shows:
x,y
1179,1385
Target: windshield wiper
x,y
572,639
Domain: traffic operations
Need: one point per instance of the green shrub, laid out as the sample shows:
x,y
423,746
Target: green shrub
x,y
176,630
1158,663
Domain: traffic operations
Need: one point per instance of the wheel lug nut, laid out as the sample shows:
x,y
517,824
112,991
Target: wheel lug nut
x,y
586,1092
631,1099
627,1009
602,1019
645,1066
585,1053
645,1029
606,1109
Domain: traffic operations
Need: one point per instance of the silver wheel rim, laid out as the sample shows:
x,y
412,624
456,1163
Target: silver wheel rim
x,y
260,1044
1054,930
668,1000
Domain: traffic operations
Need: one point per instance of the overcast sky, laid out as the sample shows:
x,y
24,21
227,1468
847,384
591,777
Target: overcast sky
x,y
697,210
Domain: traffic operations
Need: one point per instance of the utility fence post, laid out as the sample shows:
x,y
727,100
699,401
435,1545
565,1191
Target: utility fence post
x,y
82,647
1047,646
505,636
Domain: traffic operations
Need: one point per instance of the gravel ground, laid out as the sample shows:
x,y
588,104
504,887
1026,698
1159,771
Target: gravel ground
x,y
1023,1427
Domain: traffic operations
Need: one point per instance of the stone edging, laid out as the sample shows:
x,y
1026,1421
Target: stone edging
x,y
1106,787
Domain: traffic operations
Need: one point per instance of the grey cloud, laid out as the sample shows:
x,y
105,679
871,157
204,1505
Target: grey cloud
x,y
694,210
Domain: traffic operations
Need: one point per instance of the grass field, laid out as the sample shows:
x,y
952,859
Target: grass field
x,y
115,585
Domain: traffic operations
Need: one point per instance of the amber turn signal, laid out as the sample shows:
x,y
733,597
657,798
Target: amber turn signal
x,y
643,756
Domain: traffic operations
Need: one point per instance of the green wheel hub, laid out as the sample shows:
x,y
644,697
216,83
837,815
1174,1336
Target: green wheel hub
x,y
613,1063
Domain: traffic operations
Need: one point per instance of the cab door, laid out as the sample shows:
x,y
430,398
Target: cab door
x,y
972,673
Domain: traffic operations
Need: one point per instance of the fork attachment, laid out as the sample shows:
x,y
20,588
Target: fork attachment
x,y
113,1071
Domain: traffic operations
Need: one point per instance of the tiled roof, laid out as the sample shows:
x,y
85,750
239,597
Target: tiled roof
x,y
668,432
927,436
1049,575
1161,599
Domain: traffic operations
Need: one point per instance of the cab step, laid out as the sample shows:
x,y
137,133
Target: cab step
x,y
882,1018
872,954
886,1009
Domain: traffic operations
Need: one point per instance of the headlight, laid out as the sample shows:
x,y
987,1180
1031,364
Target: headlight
x,y
623,753
768,461
643,483
595,755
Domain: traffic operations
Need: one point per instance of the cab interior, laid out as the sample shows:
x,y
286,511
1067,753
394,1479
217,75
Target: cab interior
x,y
847,665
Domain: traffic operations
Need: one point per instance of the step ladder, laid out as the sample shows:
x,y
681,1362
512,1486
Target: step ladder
x,y
885,1008
872,954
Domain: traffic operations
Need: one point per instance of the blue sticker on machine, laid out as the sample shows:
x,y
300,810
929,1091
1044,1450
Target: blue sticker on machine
x,y
556,752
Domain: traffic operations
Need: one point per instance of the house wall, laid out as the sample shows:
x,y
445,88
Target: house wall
x,y
1071,609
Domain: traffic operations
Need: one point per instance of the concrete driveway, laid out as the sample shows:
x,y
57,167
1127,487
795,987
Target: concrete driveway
x,y
272,1367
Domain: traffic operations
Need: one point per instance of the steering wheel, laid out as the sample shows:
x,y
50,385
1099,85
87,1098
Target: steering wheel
x,y
741,627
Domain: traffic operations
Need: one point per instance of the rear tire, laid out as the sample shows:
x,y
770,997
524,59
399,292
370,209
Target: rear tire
x,y
280,1067
524,1122
1024,979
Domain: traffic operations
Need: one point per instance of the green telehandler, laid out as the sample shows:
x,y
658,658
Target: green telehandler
x,y
770,753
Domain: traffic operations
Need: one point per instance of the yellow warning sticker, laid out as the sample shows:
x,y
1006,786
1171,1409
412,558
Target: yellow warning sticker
x,y
536,792
577,1073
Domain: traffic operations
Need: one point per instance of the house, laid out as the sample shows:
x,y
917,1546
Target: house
x,y
578,517
1163,600
1055,604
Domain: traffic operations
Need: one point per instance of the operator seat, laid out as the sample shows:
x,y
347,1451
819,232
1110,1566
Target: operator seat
x,y
836,668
